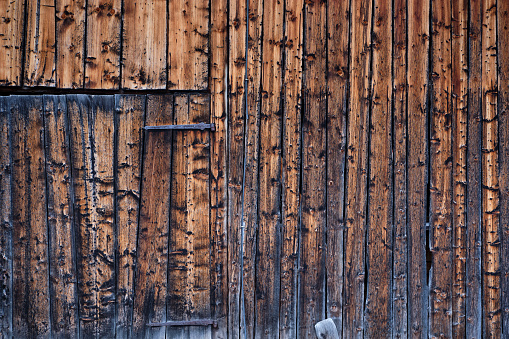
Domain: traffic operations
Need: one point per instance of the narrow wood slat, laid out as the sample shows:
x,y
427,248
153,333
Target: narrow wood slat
x,y
5,221
441,163
62,250
188,263
378,307
102,62
188,44
337,96
357,168
40,44
91,121
459,153
70,37
129,122
144,44
418,67
491,232
150,285
31,299
11,38
400,142
268,250
474,282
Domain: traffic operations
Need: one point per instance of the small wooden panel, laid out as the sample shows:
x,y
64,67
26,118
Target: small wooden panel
x,y
70,39
291,167
357,168
189,245
91,121
102,62
5,222
40,44
31,303
150,286
129,122
491,232
12,19
188,44
144,44
62,250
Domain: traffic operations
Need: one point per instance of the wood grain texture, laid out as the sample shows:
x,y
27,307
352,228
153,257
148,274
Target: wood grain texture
x,y
189,245
102,62
144,44
70,37
337,96
5,222
129,121
31,299
417,77
400,162
150,289
12,21
40,44
62,250
441,163
92,133
188,44
292,114
357,168
492,314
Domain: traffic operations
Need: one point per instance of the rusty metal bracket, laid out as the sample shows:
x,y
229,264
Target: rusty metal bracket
x,y
201,322
201,126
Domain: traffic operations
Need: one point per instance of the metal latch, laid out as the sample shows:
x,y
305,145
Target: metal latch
x,y
201,126
200,322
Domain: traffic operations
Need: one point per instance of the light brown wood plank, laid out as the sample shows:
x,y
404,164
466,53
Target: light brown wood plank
x,y
150,286
129,122
144,44
188,40
102,62
12,19
31,299
40,44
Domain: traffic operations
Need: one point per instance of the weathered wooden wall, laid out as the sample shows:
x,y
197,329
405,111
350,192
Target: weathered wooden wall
x,y
369,155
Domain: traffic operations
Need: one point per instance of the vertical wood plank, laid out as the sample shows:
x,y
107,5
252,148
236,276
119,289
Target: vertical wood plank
x,y
188,44
441,161
490,172
474,282
144,44
102,62
400,142
459,155
417,77
31,308
378,307
269,212
150,286
357,167
129,122
337,96
40,44
62,251
188,263
92,145
12,20
218,170
70,37
5,222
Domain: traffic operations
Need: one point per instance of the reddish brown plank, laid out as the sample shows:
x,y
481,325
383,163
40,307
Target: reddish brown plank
x,y
31,299
62,250
188,44
150,289
129,122
11,38
102,62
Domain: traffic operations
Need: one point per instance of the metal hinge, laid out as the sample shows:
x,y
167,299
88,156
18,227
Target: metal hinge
x,y
201,322
201,126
